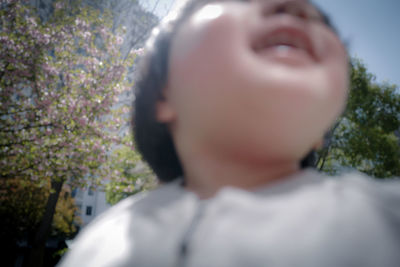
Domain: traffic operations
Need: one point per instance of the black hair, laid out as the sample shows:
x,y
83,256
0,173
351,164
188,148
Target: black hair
x,y
153,139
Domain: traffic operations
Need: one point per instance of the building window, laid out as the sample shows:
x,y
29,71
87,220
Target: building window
x,y
89,210
90,192
73,193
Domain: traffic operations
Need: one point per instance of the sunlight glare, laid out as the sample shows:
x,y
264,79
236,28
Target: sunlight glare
x,y
208,12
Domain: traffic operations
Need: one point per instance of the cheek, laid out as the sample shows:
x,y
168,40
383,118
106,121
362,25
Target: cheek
x,y
337,68
199,58
204,36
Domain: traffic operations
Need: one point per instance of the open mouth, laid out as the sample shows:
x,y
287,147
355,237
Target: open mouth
x,y
285,43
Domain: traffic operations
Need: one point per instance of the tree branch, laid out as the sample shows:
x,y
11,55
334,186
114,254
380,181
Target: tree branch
x,y
327,148
26,127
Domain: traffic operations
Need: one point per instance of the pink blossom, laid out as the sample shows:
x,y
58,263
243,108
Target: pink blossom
x,y
32,21
71,108
119,40
58,130
138,52
59,5
86,35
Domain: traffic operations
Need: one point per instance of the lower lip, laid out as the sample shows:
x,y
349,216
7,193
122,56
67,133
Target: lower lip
x,y
286,55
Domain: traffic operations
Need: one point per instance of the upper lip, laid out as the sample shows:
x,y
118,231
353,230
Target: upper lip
x,y
288,35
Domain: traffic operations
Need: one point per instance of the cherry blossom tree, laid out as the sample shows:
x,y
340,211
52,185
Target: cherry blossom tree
x,y
60,82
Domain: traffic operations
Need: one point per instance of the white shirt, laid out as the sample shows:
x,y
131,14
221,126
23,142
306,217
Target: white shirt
x,y
306,220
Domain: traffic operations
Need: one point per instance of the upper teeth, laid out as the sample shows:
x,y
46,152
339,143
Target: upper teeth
x,y
283,48
284,39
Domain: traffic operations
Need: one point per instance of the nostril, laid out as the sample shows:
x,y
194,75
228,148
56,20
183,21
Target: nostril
x,y
280,9
286,7
269,9
300,13
297,9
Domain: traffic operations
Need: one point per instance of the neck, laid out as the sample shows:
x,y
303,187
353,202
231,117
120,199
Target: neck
x,y
206,174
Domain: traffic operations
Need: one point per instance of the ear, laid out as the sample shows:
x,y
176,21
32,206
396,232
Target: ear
x,y
165,113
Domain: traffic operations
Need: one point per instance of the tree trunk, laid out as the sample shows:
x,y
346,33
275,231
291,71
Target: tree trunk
x,y
322,159
36,254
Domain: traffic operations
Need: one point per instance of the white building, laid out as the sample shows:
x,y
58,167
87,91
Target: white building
x,y
90,203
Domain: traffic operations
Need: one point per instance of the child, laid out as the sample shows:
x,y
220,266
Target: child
x,y
232,97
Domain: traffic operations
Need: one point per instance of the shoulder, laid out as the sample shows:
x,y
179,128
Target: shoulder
x,y
384,190
382,194
353,196
367,209
107,240
369,217
350,217
359,186
355,181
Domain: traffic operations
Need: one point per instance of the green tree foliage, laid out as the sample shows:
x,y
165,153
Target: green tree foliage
x,y
365,137
65,221
133,175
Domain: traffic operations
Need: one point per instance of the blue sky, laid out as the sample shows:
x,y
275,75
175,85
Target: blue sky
x,y
372,28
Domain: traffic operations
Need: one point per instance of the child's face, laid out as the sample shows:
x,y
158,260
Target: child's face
x,y
262,79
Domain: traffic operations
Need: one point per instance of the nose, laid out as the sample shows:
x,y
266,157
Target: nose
x,y
297,8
